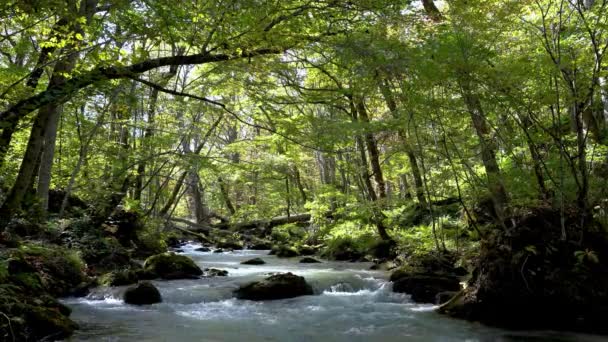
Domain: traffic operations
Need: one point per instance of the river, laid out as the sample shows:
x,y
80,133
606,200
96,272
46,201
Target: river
x,y
351,303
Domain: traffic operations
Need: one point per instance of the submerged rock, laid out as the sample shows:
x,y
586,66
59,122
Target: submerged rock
x,y
309,260
254,261
424,287
142,294
214,272
172,266
278,286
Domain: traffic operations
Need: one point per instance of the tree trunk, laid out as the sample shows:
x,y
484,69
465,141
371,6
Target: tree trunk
x,y
496,186
374,153
377,212
392,106
32,83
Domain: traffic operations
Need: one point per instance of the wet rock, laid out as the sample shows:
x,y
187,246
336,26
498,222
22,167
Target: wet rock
x,y
172,266
260,244
284,251
178,250
308,250
49,322
214,272
443,297
254,261
309,260
229,244
278,286
173,242
219,250
203,249
424,287
142,294
119,278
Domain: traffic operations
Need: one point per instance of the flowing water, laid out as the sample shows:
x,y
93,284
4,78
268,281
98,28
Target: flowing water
x,y
350,303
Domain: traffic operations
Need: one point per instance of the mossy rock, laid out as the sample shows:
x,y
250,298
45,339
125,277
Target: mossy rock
x,y
285,251
259,244
214,272
278,286
48,322
308,250
59,269
229,244
309,260
424,288
119,278
142,294
254,261
172,266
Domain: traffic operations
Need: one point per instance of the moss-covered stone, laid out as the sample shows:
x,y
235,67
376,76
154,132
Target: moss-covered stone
x,y
49,323
285,251
142,294
278,286
119,278
172,266
254,261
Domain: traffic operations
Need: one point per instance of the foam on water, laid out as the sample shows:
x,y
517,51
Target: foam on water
x,y
351,303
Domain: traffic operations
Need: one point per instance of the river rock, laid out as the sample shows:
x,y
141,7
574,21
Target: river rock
x,y
445,296
254,261
142,294
214,272
259,244
219,250
203,249
119,278
172,266
284,251
424,287
309,260
229,244
278,286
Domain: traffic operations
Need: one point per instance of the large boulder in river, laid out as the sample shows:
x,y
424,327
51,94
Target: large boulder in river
x,y
172,266
309,260
424,287
278,286
254,261
142,294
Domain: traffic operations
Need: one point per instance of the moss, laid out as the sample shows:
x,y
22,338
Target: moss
x,y
172,266
48,322
59,269
119,278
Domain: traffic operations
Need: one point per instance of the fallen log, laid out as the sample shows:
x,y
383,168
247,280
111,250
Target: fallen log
x,y
199,236
273,222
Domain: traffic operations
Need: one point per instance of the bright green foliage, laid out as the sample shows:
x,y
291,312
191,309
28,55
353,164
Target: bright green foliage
x,y
272,125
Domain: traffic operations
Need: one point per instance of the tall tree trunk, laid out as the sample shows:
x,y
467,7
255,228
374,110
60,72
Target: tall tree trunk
x,y
374,153
378,216
496,187
226,195
54,111
46,120
392,106
32,82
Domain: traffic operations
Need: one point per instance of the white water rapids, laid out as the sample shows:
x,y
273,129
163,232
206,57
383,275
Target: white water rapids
x,y
350,304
